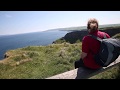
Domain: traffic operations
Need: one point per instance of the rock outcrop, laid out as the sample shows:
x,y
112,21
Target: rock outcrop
x,y
72,37
6,55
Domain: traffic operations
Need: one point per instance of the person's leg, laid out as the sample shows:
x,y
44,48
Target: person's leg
x,y
78,63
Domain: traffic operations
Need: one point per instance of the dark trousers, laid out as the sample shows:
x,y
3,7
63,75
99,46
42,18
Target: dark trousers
x,y
79,63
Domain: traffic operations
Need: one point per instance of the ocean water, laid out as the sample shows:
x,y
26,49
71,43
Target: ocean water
x,y
10,42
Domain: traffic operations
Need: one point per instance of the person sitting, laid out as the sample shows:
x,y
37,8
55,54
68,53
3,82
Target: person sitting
x,y
90,46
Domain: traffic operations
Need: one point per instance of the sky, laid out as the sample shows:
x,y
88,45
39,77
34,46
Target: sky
x,y
17,22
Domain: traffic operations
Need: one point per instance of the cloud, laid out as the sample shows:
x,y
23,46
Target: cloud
x,y
8,16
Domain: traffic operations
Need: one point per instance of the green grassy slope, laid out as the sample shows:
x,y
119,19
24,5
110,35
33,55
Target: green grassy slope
x,y
39,61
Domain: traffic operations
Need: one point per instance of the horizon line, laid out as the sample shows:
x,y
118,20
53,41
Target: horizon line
x,y
54,29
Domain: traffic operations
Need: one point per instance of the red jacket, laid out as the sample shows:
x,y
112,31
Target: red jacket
x,y
91,47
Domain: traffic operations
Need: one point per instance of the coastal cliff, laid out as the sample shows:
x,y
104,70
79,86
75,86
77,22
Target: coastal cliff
x,y
73,37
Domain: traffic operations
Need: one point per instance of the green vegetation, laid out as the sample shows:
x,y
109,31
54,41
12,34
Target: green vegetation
x,y
107,28
117,36
59,41
69,40
112,73
39,62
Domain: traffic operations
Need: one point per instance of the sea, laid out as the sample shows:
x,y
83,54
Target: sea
x,y
10,42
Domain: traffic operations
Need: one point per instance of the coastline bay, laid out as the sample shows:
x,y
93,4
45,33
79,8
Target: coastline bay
x,y
43,38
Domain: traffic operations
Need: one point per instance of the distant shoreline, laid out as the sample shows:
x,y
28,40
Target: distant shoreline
x,y
77,28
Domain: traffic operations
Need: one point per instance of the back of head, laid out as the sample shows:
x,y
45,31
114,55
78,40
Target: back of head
x,y
94,22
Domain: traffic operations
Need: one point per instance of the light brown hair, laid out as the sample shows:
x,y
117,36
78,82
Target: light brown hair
x,y
92,20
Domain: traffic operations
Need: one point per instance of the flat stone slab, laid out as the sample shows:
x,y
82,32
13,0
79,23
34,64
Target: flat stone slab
x,y
66,75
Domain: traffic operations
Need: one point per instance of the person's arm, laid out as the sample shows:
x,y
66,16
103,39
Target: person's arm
x,y
83,55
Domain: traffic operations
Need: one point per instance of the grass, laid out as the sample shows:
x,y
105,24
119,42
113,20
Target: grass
x,y
112,73
39,62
